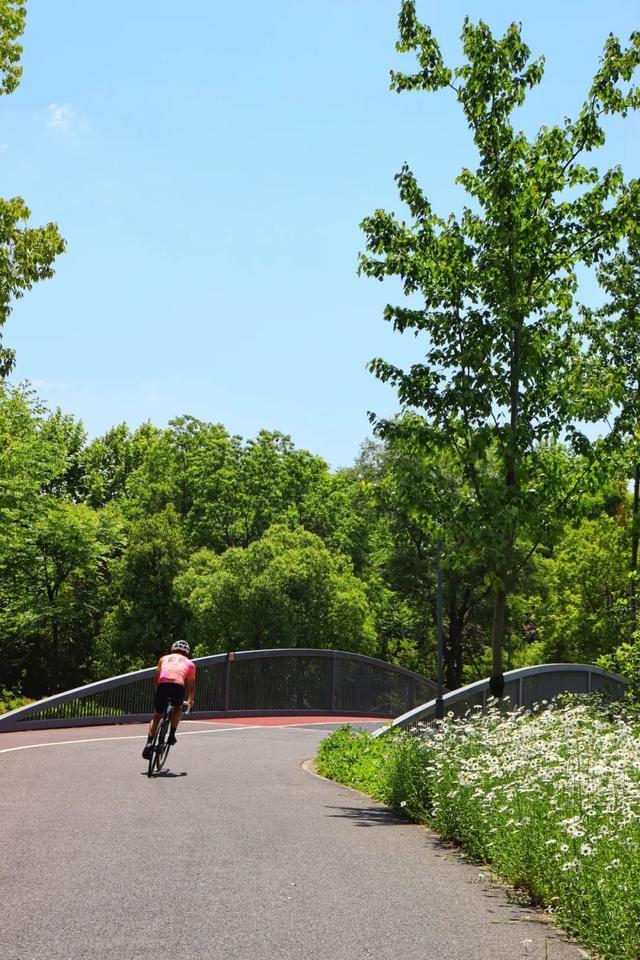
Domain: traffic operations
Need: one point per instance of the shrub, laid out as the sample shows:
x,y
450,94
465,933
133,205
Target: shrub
x,y
354,759
11,701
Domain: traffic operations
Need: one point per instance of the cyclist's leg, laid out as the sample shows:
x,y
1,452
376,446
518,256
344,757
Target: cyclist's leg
x,y
175,720
177,696
177,714
155,720
160,702
153,726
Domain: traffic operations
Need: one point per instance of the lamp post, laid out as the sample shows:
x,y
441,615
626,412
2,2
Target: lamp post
x,y
439,649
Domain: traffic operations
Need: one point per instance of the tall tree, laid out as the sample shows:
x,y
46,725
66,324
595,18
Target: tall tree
x,y
62,432
502,366
581,611
108,462
427,499
283,590
227,492
26,253
53,586
144,619
614,333
53,553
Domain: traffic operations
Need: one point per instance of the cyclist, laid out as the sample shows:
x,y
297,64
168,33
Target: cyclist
x,y
174,673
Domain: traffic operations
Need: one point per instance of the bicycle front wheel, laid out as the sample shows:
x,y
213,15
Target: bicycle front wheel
x,y
153,753
162,750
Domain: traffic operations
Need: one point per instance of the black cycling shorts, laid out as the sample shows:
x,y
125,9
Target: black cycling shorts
x,y
169,691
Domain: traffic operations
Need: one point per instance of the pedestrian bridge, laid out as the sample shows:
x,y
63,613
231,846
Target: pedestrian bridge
x,y
299,681
522,688
280,681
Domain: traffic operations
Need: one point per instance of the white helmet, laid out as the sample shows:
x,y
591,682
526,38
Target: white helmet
x,y
181,646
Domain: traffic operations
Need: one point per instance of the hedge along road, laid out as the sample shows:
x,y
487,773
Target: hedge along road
x,y
235,852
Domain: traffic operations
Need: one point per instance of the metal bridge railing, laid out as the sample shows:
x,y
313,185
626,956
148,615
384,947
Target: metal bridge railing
x,y
523,688
249,681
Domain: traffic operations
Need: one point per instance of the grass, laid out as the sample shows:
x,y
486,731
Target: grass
x,y
551,799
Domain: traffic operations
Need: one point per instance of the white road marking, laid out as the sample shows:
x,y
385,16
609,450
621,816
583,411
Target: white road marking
x,y
186,733
137,736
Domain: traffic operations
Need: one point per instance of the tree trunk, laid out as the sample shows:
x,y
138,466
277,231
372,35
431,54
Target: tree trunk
x,y
453,648
496,681
503,573
55,641
634,550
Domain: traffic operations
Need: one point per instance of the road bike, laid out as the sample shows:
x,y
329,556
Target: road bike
x,y
160,744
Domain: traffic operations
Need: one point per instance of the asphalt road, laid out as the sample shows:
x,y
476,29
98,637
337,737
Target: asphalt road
x,y
236,852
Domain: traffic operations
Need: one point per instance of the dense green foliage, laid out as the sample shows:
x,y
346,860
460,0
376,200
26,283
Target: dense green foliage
x,y
286,589
549,799
112,548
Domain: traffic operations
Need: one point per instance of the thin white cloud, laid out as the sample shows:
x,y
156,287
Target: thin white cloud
x,y
48,384
62,116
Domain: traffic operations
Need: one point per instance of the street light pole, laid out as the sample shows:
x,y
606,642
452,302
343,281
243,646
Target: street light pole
x,y
439,653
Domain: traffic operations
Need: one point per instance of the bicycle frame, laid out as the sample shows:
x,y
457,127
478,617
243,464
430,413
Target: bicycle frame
x,y
160,744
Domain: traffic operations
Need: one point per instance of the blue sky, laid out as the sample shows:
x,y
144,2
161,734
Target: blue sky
x,y
209,164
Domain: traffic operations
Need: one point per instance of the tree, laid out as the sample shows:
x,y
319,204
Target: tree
x,y
26,253
26,466
337,507
61,431
108,462
144,618
427,501
27,463
227,491
284,590
614,334
267,481
580,610
502,370
52,591
54,552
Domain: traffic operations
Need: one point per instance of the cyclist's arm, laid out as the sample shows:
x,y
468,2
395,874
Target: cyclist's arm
x,y
191,686
157,675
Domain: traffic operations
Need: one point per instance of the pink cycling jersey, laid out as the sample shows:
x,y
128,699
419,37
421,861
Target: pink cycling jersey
x,y
175,668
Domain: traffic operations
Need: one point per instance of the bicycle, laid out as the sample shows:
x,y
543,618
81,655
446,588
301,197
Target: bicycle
x,y
160,744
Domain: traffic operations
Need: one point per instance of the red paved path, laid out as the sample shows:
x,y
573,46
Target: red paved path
x,y
273,721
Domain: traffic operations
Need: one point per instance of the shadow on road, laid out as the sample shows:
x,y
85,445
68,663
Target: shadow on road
x,y
164,774
383,817
369,816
